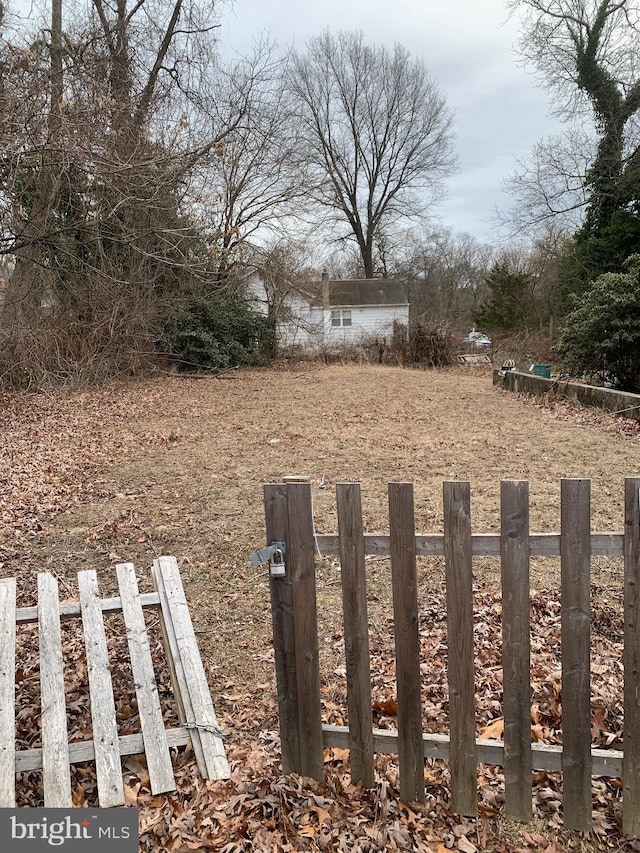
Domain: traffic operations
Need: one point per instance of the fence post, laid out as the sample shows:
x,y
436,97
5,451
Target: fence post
x,y
277,522
631,758
407,641
516,648
356,632
458,562
575,565
300,559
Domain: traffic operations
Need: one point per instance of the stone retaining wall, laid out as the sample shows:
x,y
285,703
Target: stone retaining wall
x,y
624,404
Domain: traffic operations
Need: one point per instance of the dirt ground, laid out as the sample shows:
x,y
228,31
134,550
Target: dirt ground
x,y
176,466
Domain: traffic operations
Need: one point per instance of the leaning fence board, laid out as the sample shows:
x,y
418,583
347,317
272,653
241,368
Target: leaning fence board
x,y
7,692
631,783
404,583
103,710
575,568
153,731
459,594
356,633
514,503
176,669
199,710
55,748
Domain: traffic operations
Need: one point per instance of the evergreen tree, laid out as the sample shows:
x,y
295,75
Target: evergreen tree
x,y
509,303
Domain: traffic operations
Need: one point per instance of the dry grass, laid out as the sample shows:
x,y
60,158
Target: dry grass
x,y
177,466
180,471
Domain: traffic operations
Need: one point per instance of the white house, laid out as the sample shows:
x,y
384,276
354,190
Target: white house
x,y
329,314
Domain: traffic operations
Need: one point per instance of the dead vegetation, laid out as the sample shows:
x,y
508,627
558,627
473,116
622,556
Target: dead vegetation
x,y
177,466
419,345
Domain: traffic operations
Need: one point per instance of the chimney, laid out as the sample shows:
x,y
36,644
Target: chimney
x,y
326,301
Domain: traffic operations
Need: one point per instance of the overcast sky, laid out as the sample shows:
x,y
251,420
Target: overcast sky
x,y
468,46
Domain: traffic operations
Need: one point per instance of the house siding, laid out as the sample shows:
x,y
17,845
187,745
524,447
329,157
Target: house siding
x,y
312,329
366,320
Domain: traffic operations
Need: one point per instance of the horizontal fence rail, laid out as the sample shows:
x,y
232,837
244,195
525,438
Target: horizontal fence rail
x,y
482,544
289,520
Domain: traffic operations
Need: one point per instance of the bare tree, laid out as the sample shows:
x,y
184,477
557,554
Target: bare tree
x,y
25,295
446,276
248,184
376,134
95,188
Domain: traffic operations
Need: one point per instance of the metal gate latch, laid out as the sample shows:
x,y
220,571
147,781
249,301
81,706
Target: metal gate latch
x,y
274,553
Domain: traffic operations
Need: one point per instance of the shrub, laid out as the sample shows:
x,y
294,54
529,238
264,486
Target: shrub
x,y
602,334
218,331
419,344
430,346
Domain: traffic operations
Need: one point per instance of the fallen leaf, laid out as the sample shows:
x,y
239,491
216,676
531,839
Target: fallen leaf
x,y
388,707
307,831
335,753
137,764
494,731
323,815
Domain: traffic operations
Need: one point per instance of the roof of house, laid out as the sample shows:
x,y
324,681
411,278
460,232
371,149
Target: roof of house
x,y
364,291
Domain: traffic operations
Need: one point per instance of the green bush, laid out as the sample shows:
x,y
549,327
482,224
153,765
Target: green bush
x,y
218,331
602,334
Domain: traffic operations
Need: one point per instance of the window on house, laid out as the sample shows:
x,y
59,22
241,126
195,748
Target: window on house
x,y
340,317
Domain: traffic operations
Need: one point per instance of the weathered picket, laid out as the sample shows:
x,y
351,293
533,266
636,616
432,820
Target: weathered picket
x,y
516,682
54,757
356,632
289,519
631,760
459,581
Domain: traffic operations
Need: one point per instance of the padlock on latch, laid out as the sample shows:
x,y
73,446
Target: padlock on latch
x,y
277,568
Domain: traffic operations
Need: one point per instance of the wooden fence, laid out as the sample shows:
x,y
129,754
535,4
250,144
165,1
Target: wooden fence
x,y
289,519
105,746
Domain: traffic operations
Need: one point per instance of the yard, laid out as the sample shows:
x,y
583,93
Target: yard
x,y
176,466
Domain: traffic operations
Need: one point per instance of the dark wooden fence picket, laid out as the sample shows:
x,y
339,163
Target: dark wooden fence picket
x,y
404,581
462,717
575,562
631,760
300,560
516,645
356,633
277,528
